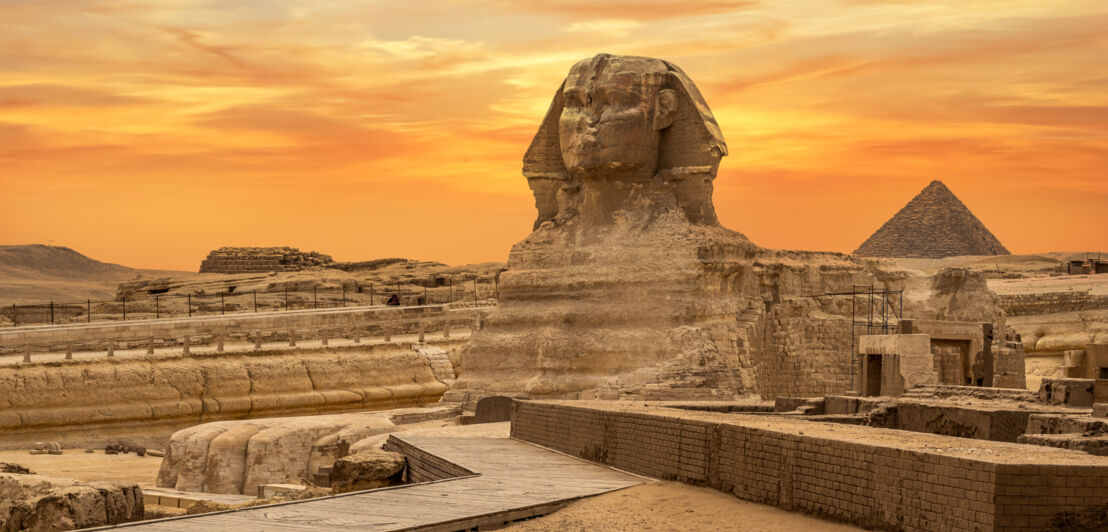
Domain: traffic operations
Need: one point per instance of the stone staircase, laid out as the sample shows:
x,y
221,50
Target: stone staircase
x,y
441,366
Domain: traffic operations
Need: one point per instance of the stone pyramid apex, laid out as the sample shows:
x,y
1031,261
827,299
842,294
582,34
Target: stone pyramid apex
x,y
934,224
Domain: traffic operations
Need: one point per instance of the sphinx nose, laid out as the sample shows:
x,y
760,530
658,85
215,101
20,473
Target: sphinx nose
x,y
590,119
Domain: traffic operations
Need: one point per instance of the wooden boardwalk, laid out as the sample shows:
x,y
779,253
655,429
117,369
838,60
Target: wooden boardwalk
x,y
514,480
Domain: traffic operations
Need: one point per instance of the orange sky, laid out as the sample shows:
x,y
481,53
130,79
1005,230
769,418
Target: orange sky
x,y
147,132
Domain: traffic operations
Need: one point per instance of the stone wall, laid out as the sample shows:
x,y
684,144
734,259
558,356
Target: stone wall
x,y
847,473
1050,303
177,328
805,352
86,402
261,260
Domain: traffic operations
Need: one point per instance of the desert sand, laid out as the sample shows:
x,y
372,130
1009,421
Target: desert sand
x,y
673,506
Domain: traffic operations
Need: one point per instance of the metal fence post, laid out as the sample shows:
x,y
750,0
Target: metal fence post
x,y
286,297
157,307
124,308
190,304
343,296
14,320
475,291
51,313
255,300
88,310
425,302
371,294
222,304
315,298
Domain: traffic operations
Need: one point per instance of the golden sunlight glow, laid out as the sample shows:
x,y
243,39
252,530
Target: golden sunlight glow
x,y
147,133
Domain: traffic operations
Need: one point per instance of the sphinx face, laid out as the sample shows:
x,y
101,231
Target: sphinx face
x,y
607,127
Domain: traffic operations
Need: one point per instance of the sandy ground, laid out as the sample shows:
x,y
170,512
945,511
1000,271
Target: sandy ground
x,y
673,506
79,465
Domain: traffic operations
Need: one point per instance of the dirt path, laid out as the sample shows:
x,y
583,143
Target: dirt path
x,y
673,506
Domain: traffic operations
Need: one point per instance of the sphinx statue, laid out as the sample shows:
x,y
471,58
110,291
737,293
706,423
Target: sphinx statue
x,y
627,266
629,287
618,124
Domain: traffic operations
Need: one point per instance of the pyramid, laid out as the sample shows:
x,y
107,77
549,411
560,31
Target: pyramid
x,y
934,224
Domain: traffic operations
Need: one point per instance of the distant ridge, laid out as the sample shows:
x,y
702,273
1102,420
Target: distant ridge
x,y
33,261
935,224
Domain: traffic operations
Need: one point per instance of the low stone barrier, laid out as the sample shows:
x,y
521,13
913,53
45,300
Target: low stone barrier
x,y
90,400
872,477
176,328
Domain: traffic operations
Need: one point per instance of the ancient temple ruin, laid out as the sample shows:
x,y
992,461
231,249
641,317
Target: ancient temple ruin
x,y
261,260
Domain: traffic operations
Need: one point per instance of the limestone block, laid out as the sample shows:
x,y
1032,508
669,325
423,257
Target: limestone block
x,y
894,344
367,470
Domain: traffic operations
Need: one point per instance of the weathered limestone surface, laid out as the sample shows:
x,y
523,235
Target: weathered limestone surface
x,y
628,285
255,260
934,224
36,502
86,402
367,470
240,456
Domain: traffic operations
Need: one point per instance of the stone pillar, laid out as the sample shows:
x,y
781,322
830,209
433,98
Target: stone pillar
x,y
185,347
258,340
69,350
111,348
357,335
388,337
446,329
27,353
422,329
292,338
150,346
323,338
219,343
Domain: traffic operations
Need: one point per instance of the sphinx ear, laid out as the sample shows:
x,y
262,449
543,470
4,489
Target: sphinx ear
x,y
666,109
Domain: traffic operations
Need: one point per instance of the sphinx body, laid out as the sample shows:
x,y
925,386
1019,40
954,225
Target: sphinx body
x,y
628,286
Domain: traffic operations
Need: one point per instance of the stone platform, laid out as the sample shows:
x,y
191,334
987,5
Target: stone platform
x,y
879,478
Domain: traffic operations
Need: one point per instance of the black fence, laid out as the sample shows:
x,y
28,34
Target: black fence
x,y
466,293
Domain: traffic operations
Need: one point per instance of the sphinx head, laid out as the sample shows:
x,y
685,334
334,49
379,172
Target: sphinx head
x,y
613,112
624,119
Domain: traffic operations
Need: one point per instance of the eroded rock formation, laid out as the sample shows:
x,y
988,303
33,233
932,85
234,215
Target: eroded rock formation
x,y
239,456
628,285
36,502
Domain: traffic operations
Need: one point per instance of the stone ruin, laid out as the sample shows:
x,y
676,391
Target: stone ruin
x,y
262,260
628,286
935,224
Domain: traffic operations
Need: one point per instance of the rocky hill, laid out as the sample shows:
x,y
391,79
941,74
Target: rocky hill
x,y
33,273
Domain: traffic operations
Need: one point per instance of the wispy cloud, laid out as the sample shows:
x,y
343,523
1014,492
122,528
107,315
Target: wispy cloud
x,y
358,114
